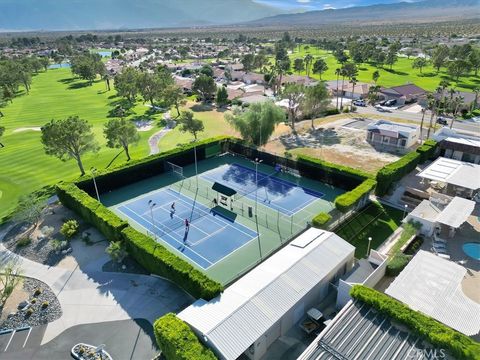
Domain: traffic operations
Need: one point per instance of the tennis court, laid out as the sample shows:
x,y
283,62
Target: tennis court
x,y
209,237
271,191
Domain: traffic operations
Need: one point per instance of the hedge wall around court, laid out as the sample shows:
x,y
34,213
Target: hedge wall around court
x,y
151,255
140,169
91,210
321,220
177,340
439,335
393,172
158,260
348,200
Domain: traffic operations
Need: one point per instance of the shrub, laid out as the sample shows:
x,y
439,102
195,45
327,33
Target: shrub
x,y
348,200
37,292
321,220
177,340
58,245
332,112
29,312
158,260
117,251
47,230
397,263
33,301
23,242
69,228
45,304
427,150
441,336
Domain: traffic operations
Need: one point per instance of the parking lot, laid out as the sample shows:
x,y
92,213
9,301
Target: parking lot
x,y
20,339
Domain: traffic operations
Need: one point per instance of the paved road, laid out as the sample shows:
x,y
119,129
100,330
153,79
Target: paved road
x,y
124,340
464,125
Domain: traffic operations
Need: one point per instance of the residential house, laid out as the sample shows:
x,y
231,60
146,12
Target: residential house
x,y
404,94
392,136
455,145
359,91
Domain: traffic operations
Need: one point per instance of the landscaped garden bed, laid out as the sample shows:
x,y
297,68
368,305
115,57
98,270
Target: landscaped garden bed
x,y
89,352
31,303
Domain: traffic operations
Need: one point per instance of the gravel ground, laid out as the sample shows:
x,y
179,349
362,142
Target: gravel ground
x,y
40,316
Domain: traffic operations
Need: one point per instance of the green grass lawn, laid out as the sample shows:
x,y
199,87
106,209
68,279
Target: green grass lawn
x,y
55,94
400,74
358,229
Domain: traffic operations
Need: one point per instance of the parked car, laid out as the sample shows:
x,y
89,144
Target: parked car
x,y
359,102
390,102
442,121
475,119
382,108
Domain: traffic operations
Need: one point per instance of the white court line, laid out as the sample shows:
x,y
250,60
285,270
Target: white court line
x,y
9,341
205,238
181,243
28,335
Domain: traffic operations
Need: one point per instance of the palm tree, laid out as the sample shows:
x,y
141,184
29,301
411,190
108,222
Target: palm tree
x,y
476,90
432,106
353,81
421,124
338,71
441,89
344,74
308,63
459,101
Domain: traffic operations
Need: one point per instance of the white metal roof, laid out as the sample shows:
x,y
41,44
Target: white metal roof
x,y
453,172
248,308
426,210
456,212
433,286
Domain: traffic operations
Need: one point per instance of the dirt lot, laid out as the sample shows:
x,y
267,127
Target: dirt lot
x,y
333,142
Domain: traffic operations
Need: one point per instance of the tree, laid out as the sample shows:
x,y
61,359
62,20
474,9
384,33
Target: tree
x,y
69,138
439,56
173,96
149,87
373,94
120,133
189,124
258,122
117,251
207,70
316,101
319,67
457,68
248,62
222,96
10,277
2,130
348,70
126,83
308,64
298,65
375,76
474,60
295,94
419,63
87,66
421,124
391,58
379,57
457,103
432,106
29,211
204,86
45,61
338,72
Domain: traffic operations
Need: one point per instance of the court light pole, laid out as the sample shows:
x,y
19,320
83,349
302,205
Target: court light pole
x,y
93,170
405,211
151,205
369,242
196,165
257,161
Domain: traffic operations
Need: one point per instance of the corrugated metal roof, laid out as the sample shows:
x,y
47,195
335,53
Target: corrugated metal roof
x,y
456,212
249,307
360,332
433,286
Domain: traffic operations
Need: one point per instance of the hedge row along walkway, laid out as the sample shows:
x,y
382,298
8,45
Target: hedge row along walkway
x,y
88,295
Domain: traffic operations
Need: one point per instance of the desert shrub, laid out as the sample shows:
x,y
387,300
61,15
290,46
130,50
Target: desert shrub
x,y
45,304
69,228
117,251
47,230
37,292
25,241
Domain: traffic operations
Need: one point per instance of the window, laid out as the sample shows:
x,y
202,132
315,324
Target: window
x,y
403,142
385,139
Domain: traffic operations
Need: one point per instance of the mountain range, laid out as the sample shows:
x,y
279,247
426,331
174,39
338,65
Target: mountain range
x,y
140,14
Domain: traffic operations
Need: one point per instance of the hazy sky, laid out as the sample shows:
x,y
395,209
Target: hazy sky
x,y
319,4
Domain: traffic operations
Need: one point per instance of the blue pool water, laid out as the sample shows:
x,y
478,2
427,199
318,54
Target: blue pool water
x,y
104,53
472,249
59,66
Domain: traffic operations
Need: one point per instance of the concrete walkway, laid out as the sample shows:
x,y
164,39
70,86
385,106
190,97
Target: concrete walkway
x,y
89,295
155,138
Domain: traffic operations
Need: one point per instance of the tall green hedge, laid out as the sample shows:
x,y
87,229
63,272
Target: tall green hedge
x,y
321,220
140,169
91,210
439,335
177,340
330,173
393,172
348,200
153,256
158,260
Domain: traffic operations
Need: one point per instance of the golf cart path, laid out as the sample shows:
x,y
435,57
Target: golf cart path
x,y
89,295
155,138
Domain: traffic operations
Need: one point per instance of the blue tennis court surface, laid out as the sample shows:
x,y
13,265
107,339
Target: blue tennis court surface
x,y
209,238
276,193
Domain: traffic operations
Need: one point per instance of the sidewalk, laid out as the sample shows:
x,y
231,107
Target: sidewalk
x,y
89,295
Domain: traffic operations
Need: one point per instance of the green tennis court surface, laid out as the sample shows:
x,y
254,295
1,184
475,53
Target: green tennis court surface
x,y
228,235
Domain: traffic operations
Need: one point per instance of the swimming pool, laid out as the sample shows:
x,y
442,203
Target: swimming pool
x,y
472,249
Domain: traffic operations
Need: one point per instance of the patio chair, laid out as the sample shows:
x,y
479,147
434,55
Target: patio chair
x,y
440,254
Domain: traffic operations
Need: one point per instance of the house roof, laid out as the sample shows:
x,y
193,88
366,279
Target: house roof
x,y
408,90
456,212
433,286
392,129
453,172
237,318
360,332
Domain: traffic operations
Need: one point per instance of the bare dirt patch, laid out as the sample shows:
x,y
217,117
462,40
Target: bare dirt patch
x,y
22,129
